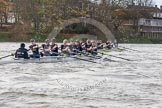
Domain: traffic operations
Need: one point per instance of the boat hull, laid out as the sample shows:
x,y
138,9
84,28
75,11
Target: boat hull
x,y
51,59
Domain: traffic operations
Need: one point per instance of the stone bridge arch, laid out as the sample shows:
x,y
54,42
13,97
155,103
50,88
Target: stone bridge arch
x,y
90,21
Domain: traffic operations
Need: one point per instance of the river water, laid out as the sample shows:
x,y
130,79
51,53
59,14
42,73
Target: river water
x,y
80,84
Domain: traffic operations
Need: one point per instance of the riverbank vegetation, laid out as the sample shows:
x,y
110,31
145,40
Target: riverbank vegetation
x,y
21,20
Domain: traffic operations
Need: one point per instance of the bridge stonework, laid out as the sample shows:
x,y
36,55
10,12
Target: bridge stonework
x,y
90,21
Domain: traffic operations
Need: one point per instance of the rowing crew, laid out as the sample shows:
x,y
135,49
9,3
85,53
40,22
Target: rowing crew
x,y
47,49
50,48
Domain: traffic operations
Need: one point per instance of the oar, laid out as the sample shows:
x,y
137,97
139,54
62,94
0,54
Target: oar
x,y
131,49
96,57
84,59
121,48
7,56
81,58
110,60
115,56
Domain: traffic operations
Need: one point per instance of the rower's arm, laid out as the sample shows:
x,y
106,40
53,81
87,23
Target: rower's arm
x,y
28,49
55,47
88,49
38,46
47,50
66,49
94,48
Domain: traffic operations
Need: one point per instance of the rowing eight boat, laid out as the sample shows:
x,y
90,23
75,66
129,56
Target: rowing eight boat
x,y
55,59
49,59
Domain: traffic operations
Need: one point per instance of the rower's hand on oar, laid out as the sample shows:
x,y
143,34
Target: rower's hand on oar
x,y
12,54
28,50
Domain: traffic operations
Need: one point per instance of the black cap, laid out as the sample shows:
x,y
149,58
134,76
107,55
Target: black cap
x,y
22,45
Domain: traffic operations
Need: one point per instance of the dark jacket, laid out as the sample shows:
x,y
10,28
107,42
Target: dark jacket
x,y
21,53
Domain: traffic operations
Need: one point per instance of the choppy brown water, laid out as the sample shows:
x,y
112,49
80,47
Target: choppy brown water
x,y
123,84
